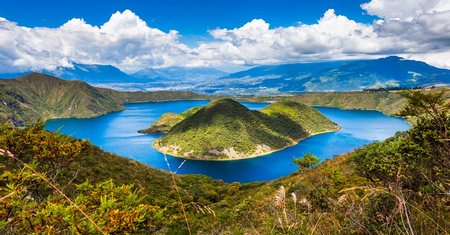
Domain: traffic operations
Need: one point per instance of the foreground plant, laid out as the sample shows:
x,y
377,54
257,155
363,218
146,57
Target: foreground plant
x,y
35,199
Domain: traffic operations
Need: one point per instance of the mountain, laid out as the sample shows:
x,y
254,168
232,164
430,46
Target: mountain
x,y
180,73
285,70
93,73
43,96
225,129
169,120
334,76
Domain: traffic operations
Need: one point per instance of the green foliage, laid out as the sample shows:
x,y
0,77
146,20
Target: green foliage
x,y
419,158
225,129
30,205
388,102
307,161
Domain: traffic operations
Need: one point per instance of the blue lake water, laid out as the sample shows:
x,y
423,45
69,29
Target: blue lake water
x,y
117,133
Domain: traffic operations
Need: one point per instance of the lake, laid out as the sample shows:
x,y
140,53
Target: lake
x,y
117,133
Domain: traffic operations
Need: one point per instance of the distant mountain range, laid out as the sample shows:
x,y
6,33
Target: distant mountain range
x,y
96,74
268,79
92,73
335,76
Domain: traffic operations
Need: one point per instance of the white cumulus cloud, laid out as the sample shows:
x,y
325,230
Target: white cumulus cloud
x,y
125,41
417,29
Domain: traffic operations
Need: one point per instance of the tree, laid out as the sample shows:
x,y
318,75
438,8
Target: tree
x,y
307,161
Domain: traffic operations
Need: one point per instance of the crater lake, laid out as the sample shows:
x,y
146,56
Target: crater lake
x,y
117,133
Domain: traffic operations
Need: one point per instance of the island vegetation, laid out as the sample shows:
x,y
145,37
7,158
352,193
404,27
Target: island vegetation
x,y
226,130
51,183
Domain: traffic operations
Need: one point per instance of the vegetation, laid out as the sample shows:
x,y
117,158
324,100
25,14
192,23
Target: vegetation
x,y
225,129
117,194
169,120
37,96
399,186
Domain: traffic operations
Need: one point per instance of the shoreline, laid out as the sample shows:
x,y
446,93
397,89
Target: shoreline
x,y
250,156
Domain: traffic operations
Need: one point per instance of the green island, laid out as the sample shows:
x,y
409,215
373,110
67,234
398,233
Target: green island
x,y
226,130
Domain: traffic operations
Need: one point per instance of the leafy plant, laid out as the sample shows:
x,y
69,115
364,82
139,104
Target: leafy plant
x,y
307,161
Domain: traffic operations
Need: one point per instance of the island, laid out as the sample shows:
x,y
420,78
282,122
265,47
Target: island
x,y
226,130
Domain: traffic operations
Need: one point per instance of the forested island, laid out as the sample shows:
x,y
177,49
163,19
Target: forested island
x,y
226,130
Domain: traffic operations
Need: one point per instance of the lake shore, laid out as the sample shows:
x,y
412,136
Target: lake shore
x,y
294,142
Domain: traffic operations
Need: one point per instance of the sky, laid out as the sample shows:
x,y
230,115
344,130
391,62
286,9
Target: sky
x,y
138,34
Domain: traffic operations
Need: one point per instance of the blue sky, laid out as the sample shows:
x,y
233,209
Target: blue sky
x,y
137,34
189,17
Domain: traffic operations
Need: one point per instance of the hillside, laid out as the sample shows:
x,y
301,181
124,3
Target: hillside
x,y
40,96
225,129
37,95
388,102
169,120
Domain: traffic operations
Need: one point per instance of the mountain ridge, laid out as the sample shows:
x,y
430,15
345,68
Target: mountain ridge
x,y
354,75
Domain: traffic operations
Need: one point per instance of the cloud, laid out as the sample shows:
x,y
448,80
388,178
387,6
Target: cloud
x,y
416,29
332,37
125,41
405,10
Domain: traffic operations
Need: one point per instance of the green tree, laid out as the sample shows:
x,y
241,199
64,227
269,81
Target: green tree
x,y
307,161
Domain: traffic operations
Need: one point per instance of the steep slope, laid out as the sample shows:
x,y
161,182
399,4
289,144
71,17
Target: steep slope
x,y
42,96
169,120
225,129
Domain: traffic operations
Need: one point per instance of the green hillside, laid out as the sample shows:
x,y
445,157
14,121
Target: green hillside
x,y
169,120
41,96
225,129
